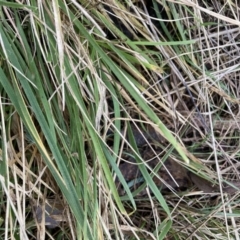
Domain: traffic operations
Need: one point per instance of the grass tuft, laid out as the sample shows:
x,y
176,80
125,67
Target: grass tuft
x,y
78,78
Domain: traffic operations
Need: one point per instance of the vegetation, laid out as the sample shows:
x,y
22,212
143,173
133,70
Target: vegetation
x,y
74,74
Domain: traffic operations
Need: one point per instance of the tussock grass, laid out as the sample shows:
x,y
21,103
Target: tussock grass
x,y
75,76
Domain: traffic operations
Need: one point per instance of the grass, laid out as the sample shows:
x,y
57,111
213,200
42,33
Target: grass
x,y
72,77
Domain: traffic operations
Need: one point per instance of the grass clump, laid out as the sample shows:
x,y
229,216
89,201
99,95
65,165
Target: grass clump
x,y
76,76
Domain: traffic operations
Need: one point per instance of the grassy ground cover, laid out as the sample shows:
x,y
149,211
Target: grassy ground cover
x,y
76,75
